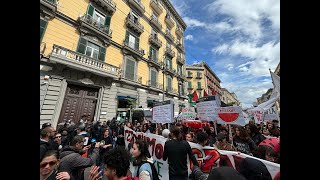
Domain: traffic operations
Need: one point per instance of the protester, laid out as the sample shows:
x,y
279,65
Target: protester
x,y
46,136
242,141
73,162
143,161
266,153
254,133
176,151
49,167
116,166
222,143
253,169
190,137
202,138
211,135
57,139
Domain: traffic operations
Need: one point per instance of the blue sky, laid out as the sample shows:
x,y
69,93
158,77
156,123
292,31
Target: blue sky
x,y
239,39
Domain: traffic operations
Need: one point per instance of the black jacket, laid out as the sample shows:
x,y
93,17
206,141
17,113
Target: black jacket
x,y
74,163
253,169
44,147
176,152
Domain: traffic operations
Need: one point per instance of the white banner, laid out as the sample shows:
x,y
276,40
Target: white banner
x,y
205,110
230,115
207,156
271,114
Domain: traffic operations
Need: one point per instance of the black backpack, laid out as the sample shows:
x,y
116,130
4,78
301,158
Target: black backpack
x,y
153,168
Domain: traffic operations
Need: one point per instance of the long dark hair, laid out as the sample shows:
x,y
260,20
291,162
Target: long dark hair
x,y
243,133
143,148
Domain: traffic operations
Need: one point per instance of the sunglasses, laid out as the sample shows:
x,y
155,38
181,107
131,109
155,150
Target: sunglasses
x,y
50,163
58,137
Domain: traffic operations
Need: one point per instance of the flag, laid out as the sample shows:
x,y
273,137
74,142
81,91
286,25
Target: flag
x,y
276,83
205,93
213,92
195,96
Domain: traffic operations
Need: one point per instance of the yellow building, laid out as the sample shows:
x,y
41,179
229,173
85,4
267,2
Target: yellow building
x,y
201,78
230,99
96,56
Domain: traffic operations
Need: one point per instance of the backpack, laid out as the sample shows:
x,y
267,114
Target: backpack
x,y
153,168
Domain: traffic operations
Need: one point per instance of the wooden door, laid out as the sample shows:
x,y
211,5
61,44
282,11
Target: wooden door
x,y
79,102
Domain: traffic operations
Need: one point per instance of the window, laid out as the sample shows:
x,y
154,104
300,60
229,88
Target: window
x,y
168,45
198,74
43,26
134,17
189,85
130,69
90,49
169,63
182,89
199,85
169,83
200,95
98,17
132,41
179,69
153,54
153,77
189,73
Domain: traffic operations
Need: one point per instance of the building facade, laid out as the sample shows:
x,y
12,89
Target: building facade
x,y
230,99
200,78
98,56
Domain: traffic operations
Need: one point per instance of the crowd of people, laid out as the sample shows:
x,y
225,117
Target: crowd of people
x,y
97,150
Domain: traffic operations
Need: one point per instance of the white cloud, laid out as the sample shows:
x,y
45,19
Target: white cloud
x,y
196,62
246,15
189,37
220,27
229,66
180,6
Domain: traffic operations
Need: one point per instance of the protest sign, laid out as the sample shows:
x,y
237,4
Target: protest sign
x,y
162,112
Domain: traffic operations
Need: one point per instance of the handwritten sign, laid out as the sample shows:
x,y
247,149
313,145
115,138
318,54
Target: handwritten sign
x,y
162,112
230,115
205,108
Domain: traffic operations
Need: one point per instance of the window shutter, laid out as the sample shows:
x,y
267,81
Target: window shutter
x,y
43,25
107,22
182,89
102,53
150,52
189,84
153,77
82,46
127,38
136,45
199,84
170,60
130,66
90,10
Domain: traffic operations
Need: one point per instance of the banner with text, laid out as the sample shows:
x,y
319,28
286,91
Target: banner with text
x,y
205,108
207,156
230,115
162,112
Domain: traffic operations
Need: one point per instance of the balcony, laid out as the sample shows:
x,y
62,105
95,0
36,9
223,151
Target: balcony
x,y
134,24
199,88
87,22
179,31
42,48
108,5
156,6
171,70
168,19
155,22
133,49
190,88
169,36
77,60
49,7
180,46
154,40
180,59
170,52
154,85
154,61
199,76
189,75
137,5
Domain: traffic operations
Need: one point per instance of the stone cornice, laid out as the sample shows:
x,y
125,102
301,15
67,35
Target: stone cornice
x,y
175,14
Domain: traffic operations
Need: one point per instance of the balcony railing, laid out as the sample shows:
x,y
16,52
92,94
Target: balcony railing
x,y
92,24
179,31
199,76
189,75
168,19
171,90
180,46
156,6
154,61
190,87
42,48
109,5
153,39
170,52
132,48
71,58
134,24
50,4
154,84
169,36
138,5
135,78
180,59
199,87
155,22
171,70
